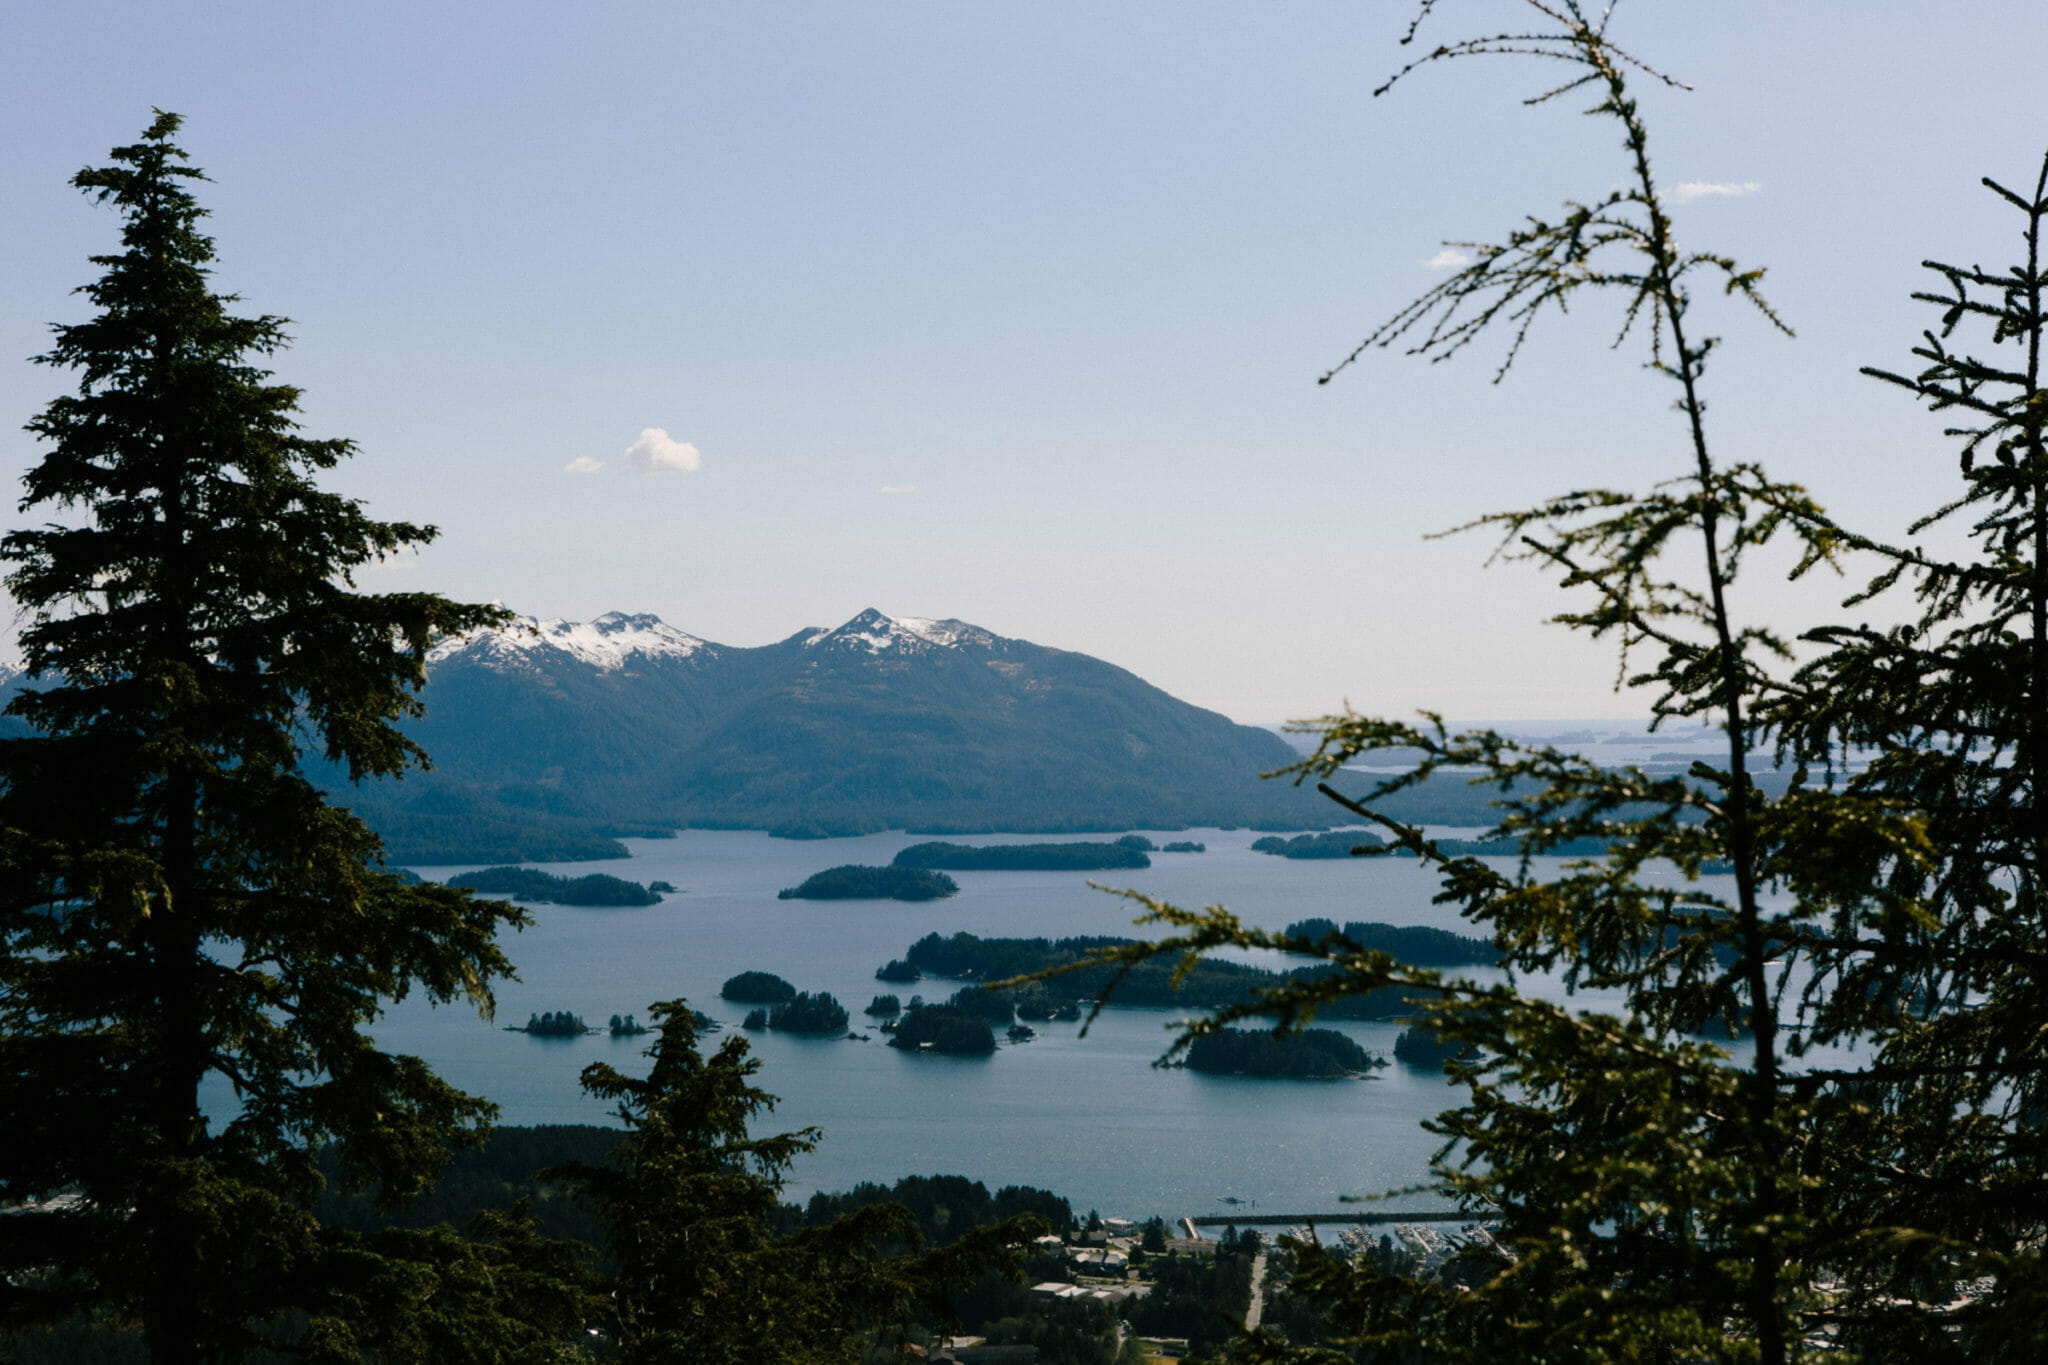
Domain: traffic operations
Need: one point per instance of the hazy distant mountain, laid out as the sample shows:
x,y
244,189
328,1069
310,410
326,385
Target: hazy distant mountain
x,y
550,736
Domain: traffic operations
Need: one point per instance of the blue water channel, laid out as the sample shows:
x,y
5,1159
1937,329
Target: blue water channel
x,y
1089,1117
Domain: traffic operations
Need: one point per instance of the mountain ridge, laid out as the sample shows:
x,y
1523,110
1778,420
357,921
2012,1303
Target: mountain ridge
x,y
625,724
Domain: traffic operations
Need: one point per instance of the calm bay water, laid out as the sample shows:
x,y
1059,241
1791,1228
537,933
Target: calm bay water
x,y
1088,1117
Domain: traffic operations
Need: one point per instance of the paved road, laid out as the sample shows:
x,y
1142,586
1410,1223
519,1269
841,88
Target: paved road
x,y
1258,1304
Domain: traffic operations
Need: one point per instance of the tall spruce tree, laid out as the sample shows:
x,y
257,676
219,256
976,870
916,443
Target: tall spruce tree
x,y
699,1272
194,939
1814,1122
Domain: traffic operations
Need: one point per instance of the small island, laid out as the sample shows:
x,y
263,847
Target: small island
x,y
1342,843
853,882
1420,1046
544,888
898,972
807,1013
1312,1054
1335,844
884,1006
1211,982
757,988
943,1028
1183,846
1416,944
553,1024
1027,857
626,1026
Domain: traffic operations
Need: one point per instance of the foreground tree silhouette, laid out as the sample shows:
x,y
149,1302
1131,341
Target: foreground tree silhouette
x,y
1859,1164
701,1276
183,914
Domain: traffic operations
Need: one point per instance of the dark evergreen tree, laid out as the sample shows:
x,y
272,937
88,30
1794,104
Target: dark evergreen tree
x,y
180,908
688,1201
1864,1174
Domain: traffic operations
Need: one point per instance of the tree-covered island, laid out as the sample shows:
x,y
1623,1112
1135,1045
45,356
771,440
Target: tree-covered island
x,y
1077,857
555,1024
1415,943
1211,983
1312,1054
808,1013
853,882
943,1028
545,888
756,988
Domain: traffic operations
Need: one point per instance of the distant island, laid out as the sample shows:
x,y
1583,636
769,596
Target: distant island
x,y
528,884
1184,846
1419,1046
1416,944
1080,857
553,1024
884,1006
757,988
898,972
626,1026
943,1028
1211,982
807,1013
853,882
1335,844
1340,843
1313,1054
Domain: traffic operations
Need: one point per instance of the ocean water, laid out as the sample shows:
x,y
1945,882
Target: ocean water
x,y
1090,1117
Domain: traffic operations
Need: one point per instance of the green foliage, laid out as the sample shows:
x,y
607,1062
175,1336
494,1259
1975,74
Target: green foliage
x,y
853,882
946,1207
884,1005
763,988
898,971
997,1007
1025,857
529,884
943,1028
557,1024
1417,944
1341,843
178,903
1316,1054
1873,1165
1420,1046
807,1013
1202,1298
688,1202
1127,974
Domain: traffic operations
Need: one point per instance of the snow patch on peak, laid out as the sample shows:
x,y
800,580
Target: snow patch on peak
x,y
605,643
878,633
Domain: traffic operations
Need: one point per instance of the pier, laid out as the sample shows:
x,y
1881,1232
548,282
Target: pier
x,y
1218,1220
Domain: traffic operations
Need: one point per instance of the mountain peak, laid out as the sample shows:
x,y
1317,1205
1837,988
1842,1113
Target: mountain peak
x,y
605,643
876,632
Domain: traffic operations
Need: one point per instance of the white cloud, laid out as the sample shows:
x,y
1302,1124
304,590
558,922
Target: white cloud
x,y
1688,190
1450,258
583,464
656,452
899,488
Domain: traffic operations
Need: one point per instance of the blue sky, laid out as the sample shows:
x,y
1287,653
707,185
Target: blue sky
x,y
1014,313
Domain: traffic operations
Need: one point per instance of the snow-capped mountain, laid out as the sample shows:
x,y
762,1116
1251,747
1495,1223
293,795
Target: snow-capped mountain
x,y
605,643
876,633
546,735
